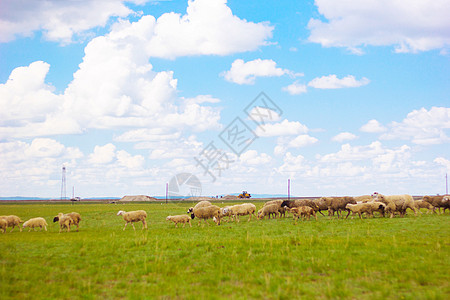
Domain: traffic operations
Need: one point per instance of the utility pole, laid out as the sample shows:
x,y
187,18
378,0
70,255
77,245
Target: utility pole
x,y
63,184
289,189
446,184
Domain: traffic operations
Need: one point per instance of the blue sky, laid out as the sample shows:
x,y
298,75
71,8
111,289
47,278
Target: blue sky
x,y
128,94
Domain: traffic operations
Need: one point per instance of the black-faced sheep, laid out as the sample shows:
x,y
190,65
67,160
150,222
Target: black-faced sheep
x,y
134,216
35,222
396,203
180,219
76,218
207,212
268,210
12,221
243,210
336,204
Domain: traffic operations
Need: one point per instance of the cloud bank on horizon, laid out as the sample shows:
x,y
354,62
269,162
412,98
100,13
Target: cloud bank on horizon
x,y
157,84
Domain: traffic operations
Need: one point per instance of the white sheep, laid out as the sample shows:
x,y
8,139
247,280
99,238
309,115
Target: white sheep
x,y
268,210
133,216
203,203
180,219
207,212
368,208
35,222
76,218
12,221
64,222
3,225
226,212
396,203
243,210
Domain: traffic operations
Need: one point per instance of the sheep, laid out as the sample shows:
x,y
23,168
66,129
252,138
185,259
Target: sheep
x,y
226,212
3,225
304,202
281,209
203,203
133,216
303,212
243,210
436,201
368,208
36,222
76,218
207,212
423,204
363,198
12,221
180,219
336,204
64,222
396,203
446,203
268,210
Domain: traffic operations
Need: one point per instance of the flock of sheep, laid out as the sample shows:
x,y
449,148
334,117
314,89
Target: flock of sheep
x,y
304,208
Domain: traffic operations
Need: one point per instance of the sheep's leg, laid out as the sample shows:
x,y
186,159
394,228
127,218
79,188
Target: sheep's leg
x,y
125,226
134,228
190,225
45,227
144,225
347,214
321,213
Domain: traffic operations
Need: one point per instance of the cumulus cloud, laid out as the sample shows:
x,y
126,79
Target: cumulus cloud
x,y
59,20
246,72
295,88
422,126
410,26
284,127
332,82
373,126
252,158
344,136
443,162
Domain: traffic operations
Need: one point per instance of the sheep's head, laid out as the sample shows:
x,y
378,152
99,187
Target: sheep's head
x,y
382,206
55,219
121,212
190,210
168,218
287,203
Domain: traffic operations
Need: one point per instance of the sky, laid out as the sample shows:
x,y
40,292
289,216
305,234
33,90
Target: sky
x,y
338,97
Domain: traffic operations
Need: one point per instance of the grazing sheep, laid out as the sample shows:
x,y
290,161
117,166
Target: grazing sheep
x,y
180,219
3,225
368,208
203,203
304,202
268,210
336,204
207,212
243,210
35,222
396,203
281,209
436,201
132,217
64,222
423,204
12,221
226,212
76,218
303,212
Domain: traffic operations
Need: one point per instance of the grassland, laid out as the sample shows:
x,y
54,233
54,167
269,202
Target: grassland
x,y
355,259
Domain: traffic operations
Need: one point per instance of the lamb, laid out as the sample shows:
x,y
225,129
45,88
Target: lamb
x,y
36,222
243,210
134,216
180,219
64,222
396,203
76,218
12,221
303,212
268,210
423,204
3,225
304,202
281,209
368,207
198,205
336,204
207,212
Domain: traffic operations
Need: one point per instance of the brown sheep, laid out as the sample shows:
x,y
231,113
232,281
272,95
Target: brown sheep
x,y
281,210
336,204
304,202
12,221
423,204
303,212
436,201
268,210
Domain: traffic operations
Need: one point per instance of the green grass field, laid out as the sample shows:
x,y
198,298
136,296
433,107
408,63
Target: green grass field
x,y
355,259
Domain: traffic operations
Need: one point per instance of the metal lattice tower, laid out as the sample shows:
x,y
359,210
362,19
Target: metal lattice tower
x,y
63,184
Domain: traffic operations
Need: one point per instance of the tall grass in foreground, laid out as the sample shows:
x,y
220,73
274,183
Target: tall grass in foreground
x,y
371,258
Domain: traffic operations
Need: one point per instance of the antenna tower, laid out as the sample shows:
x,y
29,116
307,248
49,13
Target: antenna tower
x,y
63,184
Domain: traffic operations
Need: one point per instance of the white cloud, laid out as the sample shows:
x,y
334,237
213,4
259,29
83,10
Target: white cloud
x,y
263,114
59,20
103,154
129,161
344,136
208,28
295,88
283,128
410,26
373,126
147,135
246,72
332,82
443,162
252,158
302,140
424,127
